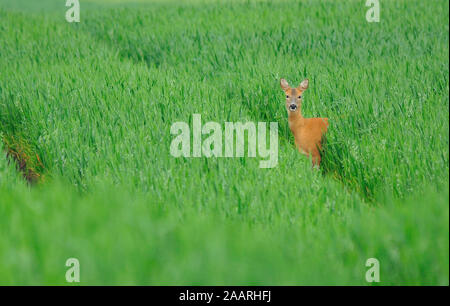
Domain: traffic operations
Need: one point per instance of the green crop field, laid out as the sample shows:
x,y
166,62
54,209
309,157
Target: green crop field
x,y
86,170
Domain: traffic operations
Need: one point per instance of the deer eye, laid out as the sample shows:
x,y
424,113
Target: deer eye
x,y
287,97
299,97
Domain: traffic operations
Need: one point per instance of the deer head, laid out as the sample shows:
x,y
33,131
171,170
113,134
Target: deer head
x,y
294,95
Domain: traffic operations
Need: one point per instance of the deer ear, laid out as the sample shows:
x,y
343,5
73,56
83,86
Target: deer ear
x,y
284,84
303,85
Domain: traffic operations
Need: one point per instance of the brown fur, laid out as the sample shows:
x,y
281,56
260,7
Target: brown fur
x,y
308,132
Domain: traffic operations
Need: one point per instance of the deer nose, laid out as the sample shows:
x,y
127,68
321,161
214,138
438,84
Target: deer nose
x,y
293,107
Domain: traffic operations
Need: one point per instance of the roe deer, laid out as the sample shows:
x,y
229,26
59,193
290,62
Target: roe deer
x,y
308,132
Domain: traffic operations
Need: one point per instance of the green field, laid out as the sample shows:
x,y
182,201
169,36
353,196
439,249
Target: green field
x,y
86,110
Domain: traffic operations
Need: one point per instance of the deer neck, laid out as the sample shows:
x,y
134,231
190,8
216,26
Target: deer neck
x,y
296,119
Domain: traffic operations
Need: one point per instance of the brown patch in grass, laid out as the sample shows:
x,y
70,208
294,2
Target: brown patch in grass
x,y
27,162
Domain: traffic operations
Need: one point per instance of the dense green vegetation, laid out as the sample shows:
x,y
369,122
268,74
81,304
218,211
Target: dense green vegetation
x,y
90,105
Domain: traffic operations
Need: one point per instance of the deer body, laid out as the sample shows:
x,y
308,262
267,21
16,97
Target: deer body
x,y
308,132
